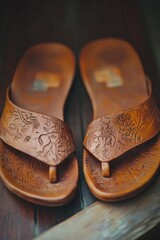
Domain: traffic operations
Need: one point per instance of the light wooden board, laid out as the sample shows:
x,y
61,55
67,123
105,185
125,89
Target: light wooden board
x,y
126,220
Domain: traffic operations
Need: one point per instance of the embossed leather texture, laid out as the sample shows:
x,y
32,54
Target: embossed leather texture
x,y
44,137
38,162
122,144
110,136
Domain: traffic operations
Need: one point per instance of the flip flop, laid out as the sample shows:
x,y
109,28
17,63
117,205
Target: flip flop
x,y
122,145
37,160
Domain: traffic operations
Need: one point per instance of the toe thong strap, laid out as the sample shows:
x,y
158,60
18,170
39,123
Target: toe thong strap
x,y
43,137
110,136
105,169
52,174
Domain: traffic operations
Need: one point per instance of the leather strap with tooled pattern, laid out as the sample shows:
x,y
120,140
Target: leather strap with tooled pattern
x,y
43,137
110,136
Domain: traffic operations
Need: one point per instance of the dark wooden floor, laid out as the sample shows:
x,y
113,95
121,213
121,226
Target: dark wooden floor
x,y
74,23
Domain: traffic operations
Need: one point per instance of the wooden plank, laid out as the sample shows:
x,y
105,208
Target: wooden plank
x,y
151,18
125,220
15,214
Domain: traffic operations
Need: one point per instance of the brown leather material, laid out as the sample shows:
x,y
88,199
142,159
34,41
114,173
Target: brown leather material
x,y
109,137
37,160
43,137
122,144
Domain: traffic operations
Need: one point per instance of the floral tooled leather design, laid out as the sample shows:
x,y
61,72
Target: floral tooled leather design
x,y
110,136
44,137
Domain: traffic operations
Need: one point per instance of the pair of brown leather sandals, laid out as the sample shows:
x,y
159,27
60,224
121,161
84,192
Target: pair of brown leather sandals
x,y
122,145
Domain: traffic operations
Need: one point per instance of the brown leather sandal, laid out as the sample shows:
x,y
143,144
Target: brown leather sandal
x,y
37,151
122,146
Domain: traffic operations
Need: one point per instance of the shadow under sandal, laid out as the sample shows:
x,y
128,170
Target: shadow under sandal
x,y
37,161
122,145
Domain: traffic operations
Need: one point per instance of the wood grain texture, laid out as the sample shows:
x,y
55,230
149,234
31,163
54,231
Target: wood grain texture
x,y
125,220
75,23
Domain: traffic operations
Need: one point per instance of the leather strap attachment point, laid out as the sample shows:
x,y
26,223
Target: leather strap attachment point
x,y
53,174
